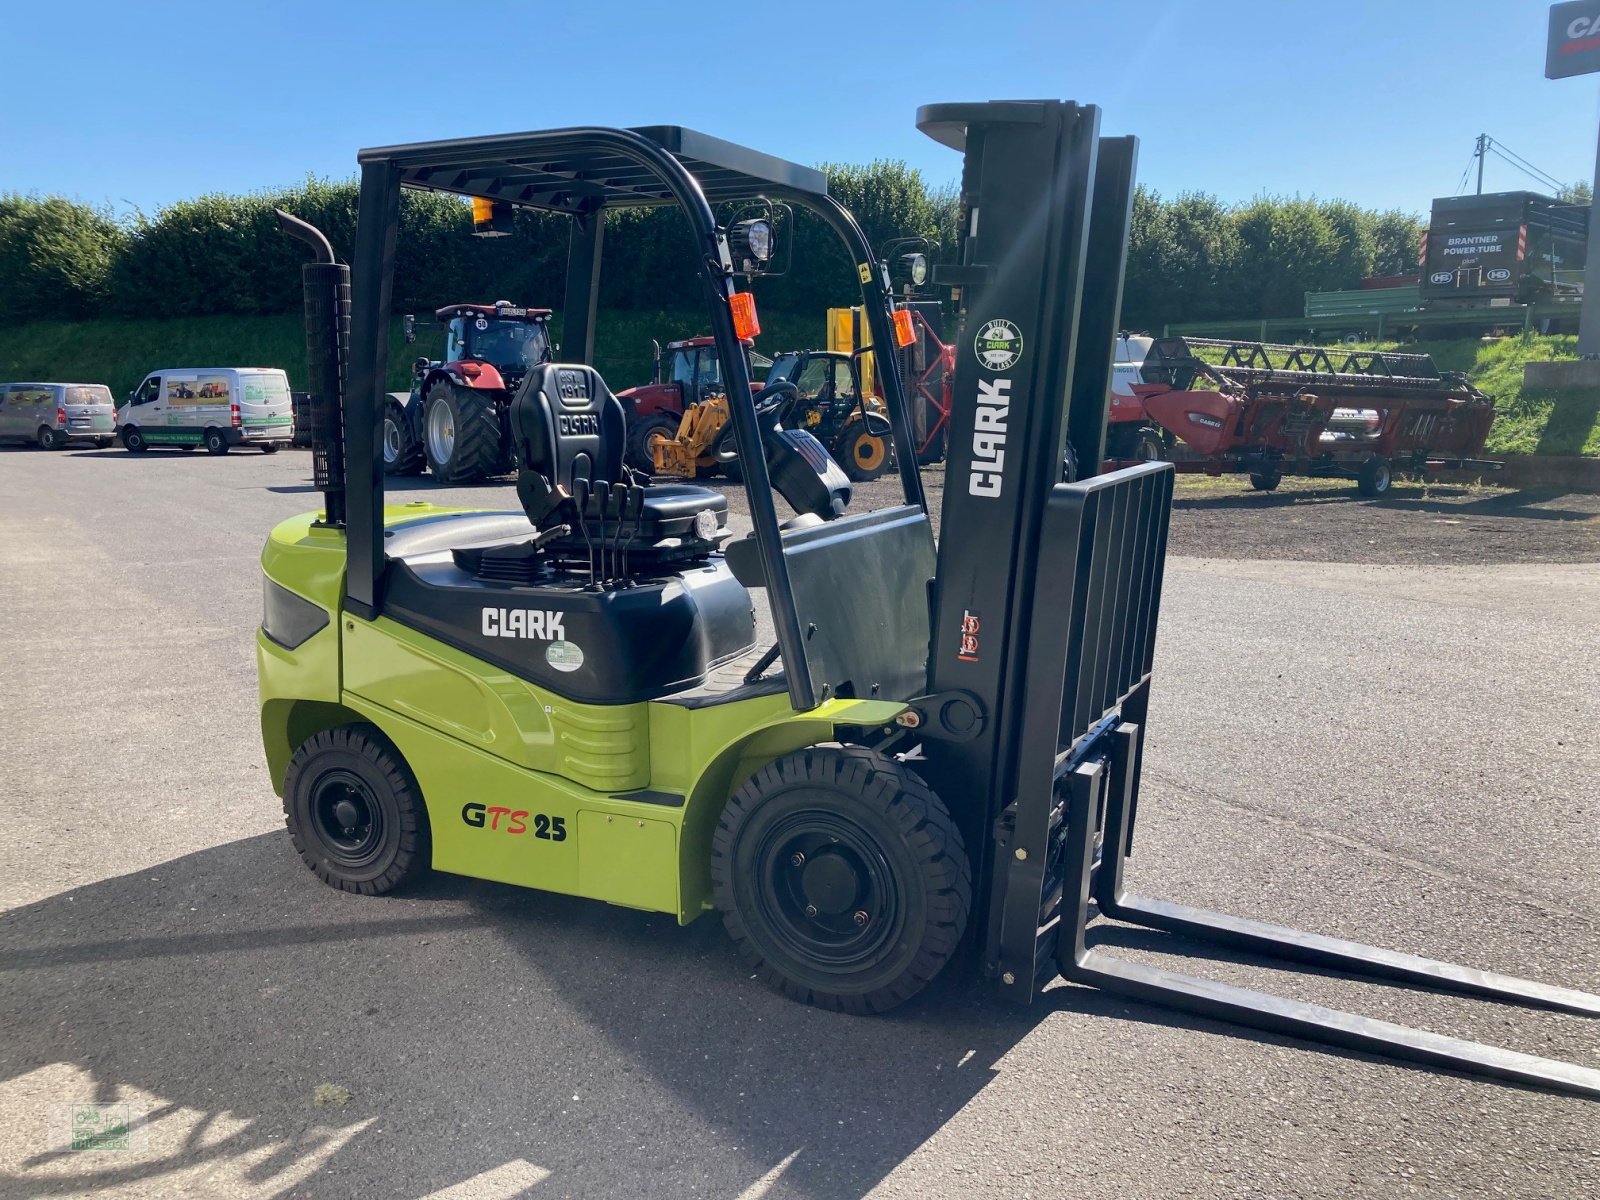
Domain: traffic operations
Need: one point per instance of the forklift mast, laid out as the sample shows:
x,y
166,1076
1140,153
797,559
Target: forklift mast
x,y
1039,304
1044,612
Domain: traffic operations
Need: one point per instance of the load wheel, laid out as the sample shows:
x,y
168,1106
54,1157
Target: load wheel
x,y
460,433
133,441
841,877
354,812
50,439
1264,481
402,450
864,455
1374,477
646,430
215,442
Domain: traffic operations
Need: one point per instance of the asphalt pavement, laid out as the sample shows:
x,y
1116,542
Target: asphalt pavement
x,y
1404,755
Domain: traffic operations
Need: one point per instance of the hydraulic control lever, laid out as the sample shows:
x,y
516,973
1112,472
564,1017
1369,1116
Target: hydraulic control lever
x,y
602,499
580,500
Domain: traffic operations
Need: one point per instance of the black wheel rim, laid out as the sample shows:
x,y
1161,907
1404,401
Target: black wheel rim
x,y
826,891
347,819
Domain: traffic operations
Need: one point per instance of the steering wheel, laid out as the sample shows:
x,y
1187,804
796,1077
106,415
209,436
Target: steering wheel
x,y
770,403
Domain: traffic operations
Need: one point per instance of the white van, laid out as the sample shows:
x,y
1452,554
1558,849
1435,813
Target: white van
x,y
54,414
214,407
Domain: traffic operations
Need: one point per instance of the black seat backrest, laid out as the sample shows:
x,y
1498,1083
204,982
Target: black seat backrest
x,y
567,425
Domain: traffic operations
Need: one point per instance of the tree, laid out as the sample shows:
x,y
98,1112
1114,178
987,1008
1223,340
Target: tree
x,y
1397,240
1286,248
1576,193
56,257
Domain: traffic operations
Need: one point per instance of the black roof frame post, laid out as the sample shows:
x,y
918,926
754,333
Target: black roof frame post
x,y
1027,180
581,172
585,245
371,296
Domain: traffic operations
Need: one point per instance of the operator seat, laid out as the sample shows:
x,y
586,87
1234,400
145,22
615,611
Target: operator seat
x,y
570,432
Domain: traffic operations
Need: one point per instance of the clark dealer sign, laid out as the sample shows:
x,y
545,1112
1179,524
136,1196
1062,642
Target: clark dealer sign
x,y
1574,39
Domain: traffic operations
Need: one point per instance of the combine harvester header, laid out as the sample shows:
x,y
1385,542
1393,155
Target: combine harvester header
x,y
1268,411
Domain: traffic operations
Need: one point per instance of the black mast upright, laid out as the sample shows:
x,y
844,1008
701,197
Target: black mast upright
x,y
1027,191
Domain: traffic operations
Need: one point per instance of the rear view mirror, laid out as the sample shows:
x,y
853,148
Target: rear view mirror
x,y
408,325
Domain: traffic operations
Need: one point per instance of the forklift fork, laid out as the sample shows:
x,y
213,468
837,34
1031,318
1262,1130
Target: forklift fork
x,y
1102,546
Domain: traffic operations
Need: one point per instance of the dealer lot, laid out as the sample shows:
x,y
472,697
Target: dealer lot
x,y
1402,754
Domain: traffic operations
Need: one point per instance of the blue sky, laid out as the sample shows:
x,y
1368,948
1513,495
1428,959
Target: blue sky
x,y
141,104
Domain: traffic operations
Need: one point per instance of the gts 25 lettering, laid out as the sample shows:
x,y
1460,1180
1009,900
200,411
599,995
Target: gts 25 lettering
x,y
503,819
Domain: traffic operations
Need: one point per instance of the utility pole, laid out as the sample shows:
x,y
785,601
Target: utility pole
x,y
1483,143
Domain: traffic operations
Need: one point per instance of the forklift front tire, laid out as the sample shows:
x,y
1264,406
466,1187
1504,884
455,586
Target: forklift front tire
x,y
354,812
841,877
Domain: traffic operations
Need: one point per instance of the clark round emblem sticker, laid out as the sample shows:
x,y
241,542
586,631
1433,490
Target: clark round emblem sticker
x,y
999,345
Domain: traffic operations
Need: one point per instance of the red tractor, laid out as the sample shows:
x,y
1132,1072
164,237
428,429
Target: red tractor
x,y
455,422
688,373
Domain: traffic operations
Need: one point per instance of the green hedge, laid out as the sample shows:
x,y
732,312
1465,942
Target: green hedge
x,y
120,352
1191,258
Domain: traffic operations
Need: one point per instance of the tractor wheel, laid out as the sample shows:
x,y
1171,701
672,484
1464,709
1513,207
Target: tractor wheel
x,y
1069,464
932,451
841,877
402,451
1374,477
1265,481
50,439
645,431
133,441
460,434
354,812
216,442
864,455
1147,446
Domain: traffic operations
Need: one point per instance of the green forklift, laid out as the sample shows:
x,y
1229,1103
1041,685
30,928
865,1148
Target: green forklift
x,y
941,745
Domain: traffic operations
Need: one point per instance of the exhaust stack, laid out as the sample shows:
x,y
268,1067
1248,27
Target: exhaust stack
x,y
327,304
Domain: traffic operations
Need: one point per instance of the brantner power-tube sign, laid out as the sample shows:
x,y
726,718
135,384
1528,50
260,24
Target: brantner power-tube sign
x,y
1574,39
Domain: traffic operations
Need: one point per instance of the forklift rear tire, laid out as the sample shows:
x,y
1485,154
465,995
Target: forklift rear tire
x,y
1264,482
354,812
841,877
1374,477
216,443
460,434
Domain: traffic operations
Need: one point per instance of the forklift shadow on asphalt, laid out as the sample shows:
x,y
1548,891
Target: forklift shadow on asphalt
x,y
475,1025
